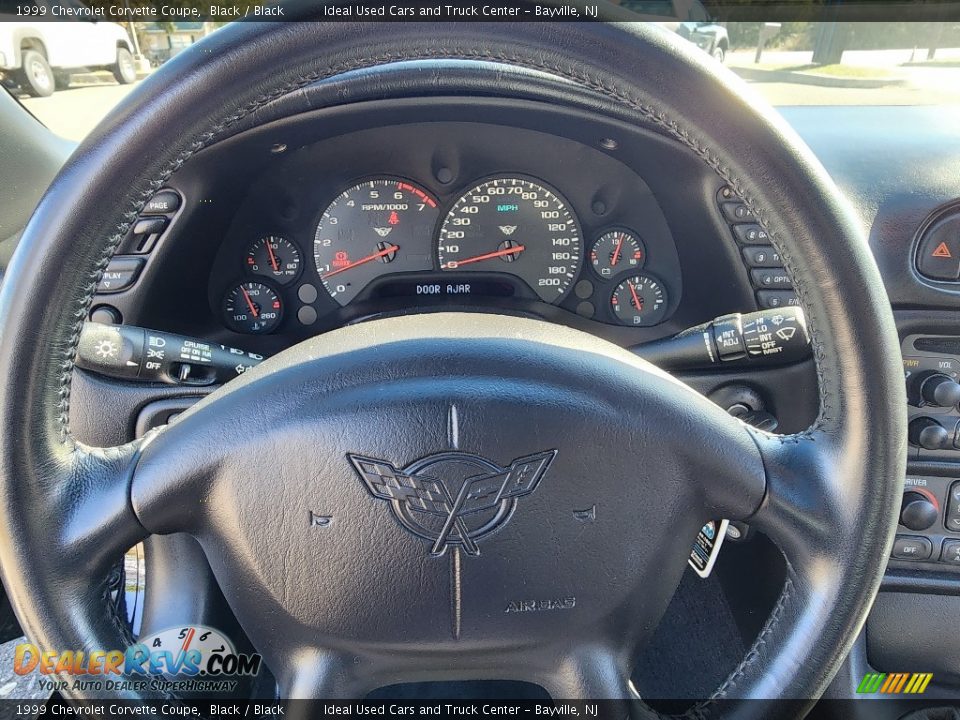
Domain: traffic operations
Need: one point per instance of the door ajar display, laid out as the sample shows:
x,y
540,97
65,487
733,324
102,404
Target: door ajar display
x,y
515,226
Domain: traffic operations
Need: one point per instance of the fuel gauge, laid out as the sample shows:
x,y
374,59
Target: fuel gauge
x,y
640,301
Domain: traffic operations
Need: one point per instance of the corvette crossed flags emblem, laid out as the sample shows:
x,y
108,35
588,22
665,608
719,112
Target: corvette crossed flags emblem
x,y
428,507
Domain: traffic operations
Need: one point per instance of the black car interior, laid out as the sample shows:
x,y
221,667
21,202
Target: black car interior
x,y
501,241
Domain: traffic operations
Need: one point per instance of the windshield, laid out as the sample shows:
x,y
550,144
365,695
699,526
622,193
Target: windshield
x,y
71,74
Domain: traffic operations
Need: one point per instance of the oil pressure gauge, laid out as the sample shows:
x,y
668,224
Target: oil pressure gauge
x,y
640,300
274,257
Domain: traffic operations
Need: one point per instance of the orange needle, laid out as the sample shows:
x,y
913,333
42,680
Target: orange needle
x,y
246,296
361,261
497,253
273,258
636,300
616,253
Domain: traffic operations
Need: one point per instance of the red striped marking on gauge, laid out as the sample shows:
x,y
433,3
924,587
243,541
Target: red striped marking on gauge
x,y
418,192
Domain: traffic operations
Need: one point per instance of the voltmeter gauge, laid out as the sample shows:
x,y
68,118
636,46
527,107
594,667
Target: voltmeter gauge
x,y
640,300
253,308
617,251
274,257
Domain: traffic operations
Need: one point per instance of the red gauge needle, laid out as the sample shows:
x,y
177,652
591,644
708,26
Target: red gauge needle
x,y
246,296
361,261
487,256
636,300
616,253
273,258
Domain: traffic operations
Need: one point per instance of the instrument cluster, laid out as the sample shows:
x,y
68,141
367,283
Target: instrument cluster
x,y
427,216
505,236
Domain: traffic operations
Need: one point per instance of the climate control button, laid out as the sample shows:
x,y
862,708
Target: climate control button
x,y
907,547
917,511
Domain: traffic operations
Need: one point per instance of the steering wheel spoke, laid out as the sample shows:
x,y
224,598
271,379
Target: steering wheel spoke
x,y
589,673
327,674
96,523
803,510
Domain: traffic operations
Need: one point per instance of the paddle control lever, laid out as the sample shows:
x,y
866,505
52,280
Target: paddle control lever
x,y
768,337
141,355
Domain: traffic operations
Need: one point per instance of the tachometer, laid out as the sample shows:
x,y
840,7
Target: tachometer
x,y
515,226
377,227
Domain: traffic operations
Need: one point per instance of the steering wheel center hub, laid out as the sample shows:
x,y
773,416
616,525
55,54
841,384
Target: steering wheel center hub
x,y
485,484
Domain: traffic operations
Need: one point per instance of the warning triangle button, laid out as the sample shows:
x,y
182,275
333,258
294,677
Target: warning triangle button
x,y
942,251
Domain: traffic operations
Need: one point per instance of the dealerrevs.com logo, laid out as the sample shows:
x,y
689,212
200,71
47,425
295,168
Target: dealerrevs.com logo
x,y
185,659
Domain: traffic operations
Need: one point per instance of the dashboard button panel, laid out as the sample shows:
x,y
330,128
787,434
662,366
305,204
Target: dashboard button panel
x,y
768,277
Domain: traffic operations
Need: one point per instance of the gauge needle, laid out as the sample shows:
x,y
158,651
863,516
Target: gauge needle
x,y
386,251
616,253
246,296
487,256
636,300
273,258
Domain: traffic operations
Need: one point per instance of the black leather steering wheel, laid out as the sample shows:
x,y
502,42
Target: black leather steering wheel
x,y
364,603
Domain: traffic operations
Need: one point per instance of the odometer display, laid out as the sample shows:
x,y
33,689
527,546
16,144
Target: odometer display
x,y
515,226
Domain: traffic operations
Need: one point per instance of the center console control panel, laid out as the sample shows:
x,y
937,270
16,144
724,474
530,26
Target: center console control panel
x,y
929,529
929,526
931,369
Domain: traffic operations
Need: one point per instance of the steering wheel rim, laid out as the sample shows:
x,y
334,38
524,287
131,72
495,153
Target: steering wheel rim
x,y
831,492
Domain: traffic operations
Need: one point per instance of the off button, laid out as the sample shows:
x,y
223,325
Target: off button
x,y
907,547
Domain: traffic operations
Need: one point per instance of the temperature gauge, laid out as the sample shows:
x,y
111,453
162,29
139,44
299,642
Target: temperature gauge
x,y
616,251
274,257
253,308
640,300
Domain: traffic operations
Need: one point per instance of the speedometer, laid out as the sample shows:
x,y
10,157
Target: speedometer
x,y
515,226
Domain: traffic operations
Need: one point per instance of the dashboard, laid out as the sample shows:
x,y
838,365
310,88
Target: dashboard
x,y
440,214
293,228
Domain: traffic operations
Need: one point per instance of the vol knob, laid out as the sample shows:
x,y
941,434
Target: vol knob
x,y
929,434
940,390
917,512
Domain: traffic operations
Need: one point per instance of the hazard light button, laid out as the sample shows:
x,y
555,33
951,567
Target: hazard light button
x,y
938,257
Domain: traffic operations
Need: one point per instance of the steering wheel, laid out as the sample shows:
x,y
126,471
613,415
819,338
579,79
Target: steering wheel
x,y
367,424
